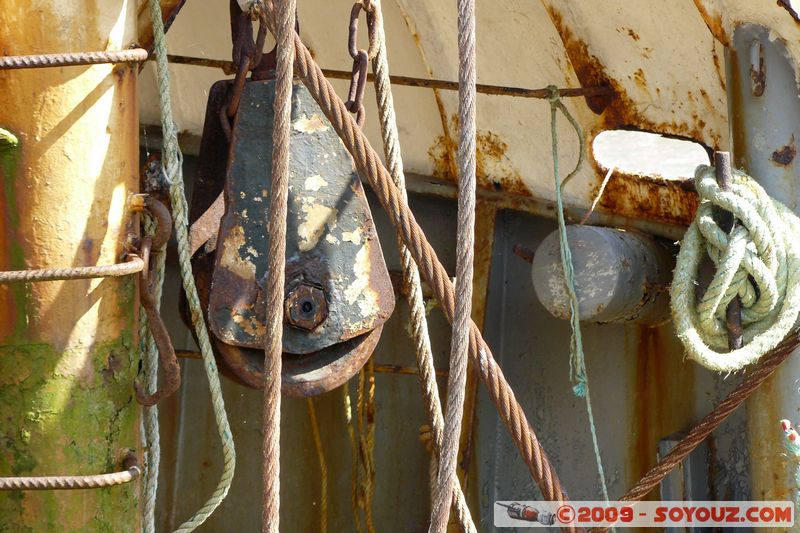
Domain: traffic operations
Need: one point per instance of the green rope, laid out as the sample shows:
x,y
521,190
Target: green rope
x,y
149,425
577,364
759,262
174,162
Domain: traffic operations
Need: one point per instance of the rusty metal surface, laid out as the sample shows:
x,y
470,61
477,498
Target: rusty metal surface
x,y
661,69
331,244
204,230
150,246
763,125
303,375
169,11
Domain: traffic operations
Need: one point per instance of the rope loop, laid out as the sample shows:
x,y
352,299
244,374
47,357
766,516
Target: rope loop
x,y
758,262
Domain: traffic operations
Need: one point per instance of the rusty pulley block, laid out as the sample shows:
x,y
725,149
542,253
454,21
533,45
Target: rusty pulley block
x,y
338,292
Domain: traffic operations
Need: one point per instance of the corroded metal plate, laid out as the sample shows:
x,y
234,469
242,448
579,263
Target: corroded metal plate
x,y
331,240
302,375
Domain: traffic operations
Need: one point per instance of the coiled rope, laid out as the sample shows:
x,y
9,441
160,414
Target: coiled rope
x,y
174,172
411,280
759,262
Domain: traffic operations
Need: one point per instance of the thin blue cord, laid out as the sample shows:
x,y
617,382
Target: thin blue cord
x,y
577,363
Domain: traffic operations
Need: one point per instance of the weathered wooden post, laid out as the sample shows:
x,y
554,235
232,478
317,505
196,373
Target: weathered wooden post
x,y
68,349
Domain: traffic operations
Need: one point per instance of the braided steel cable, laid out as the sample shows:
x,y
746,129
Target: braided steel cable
x,y
132,265
274,289
465,250
370,167
131,472
411,281
134,55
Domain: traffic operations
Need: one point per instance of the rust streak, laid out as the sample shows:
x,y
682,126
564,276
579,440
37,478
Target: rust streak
x,y
714,23
662,397
494,170
640,197
785,155
661,200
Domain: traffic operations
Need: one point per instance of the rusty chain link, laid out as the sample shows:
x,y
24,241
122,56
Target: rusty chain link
x,y
361,57
134,55
131,471
156,244
247,54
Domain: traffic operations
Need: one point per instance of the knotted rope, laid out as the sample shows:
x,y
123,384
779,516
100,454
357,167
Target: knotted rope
x,y
465,243
411,280
759,262
174,172
577,364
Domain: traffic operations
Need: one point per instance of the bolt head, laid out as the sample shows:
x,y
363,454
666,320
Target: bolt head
x,y
306,307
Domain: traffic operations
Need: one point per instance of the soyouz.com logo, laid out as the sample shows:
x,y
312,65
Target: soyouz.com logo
x,y
644,514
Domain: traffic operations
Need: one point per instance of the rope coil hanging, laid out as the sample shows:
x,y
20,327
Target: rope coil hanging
x,y
759,262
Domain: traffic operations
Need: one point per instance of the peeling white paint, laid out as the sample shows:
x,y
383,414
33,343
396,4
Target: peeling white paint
x,y
359,291
352,236
315,183
232,260
310,124
317,216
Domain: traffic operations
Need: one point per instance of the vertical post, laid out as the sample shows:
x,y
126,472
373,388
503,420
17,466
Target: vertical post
x,y
764,114
68,349
733,313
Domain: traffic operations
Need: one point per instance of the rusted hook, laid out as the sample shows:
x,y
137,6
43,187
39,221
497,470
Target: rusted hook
x,y
166,352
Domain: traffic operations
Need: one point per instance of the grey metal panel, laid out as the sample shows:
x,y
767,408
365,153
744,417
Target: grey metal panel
x,y
190,447
642,391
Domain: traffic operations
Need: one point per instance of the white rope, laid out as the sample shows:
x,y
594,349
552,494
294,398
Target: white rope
x,y
759,262
459,345
411,279
174,162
